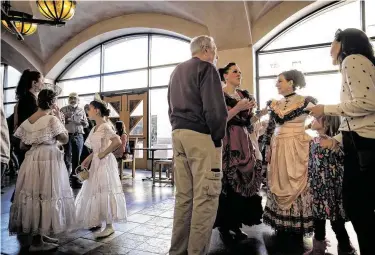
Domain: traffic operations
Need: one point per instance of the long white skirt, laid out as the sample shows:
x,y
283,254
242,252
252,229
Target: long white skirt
x,y
43,202
101,197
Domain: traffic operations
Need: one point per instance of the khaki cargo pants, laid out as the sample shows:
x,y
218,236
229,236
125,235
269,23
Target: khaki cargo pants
x,y
198,185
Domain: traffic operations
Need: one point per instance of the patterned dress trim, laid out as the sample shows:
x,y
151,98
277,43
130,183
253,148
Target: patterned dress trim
x,y
279,116
297,220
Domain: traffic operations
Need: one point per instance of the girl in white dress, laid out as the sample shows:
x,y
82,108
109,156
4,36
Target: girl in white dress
x,y
101,198
43,202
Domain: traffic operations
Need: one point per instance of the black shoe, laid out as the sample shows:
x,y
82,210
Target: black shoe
x,y
346,250
239,235
226,236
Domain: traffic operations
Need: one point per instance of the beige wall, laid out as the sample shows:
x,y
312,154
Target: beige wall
x,y
243,57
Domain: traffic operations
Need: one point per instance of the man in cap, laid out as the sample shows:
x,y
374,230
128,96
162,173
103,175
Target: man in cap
x,y
75,122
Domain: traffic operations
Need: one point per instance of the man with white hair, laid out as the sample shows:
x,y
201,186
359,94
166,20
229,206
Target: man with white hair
x,y
75,122
198,116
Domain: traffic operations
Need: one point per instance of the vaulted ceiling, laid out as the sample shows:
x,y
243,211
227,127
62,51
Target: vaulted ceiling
x,y
229,22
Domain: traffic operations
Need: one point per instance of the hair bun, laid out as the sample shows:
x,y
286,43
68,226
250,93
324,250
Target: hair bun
x,y
296,76
26,71
46,98
106,112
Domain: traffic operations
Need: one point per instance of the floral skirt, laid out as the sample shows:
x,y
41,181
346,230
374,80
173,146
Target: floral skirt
x,y
298,219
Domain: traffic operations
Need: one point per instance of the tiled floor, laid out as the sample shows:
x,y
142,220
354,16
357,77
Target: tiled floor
x,y
149,229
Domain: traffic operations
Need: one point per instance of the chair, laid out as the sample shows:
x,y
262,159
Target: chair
x,y
131,160
159,164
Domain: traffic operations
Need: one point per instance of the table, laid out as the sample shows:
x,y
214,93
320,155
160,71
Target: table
x,y
152,150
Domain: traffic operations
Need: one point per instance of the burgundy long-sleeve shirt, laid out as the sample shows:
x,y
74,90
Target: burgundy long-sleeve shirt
x,y
196,100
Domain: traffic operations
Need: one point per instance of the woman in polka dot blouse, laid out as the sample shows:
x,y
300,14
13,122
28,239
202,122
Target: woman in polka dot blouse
x,y
353,52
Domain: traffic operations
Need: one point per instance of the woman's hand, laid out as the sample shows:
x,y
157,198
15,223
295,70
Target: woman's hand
x,y
55,109
101,155
317,111
86,162
263,112
327,142
56,112
244,104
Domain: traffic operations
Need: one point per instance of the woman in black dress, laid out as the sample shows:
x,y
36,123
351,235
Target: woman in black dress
x,y
29,85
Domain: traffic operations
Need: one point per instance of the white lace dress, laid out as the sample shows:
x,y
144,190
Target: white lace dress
x,y
43,202
101,197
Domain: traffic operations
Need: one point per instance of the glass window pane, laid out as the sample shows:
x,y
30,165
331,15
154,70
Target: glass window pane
x,y
83,100
160,76
321,27
138,126
125,54
312,60
13,77
129,80
370,17
166,50
325,88
9,95
8,109
81,86
87,65
160,127
267,91
330,84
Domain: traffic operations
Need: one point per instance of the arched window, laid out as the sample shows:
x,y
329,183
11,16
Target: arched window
x,y
141,61
306,46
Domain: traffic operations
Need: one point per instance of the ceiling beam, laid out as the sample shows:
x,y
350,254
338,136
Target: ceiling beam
x,y
248,19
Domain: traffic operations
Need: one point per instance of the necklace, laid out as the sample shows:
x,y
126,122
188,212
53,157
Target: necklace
x,y
290,95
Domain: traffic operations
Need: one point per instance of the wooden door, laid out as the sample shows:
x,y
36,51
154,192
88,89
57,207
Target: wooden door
x,y
133,111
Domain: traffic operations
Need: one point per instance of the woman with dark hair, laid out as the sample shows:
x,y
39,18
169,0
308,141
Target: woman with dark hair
x,y
29,85
288,209
121,132
101,198
239,201
43,201
353,52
